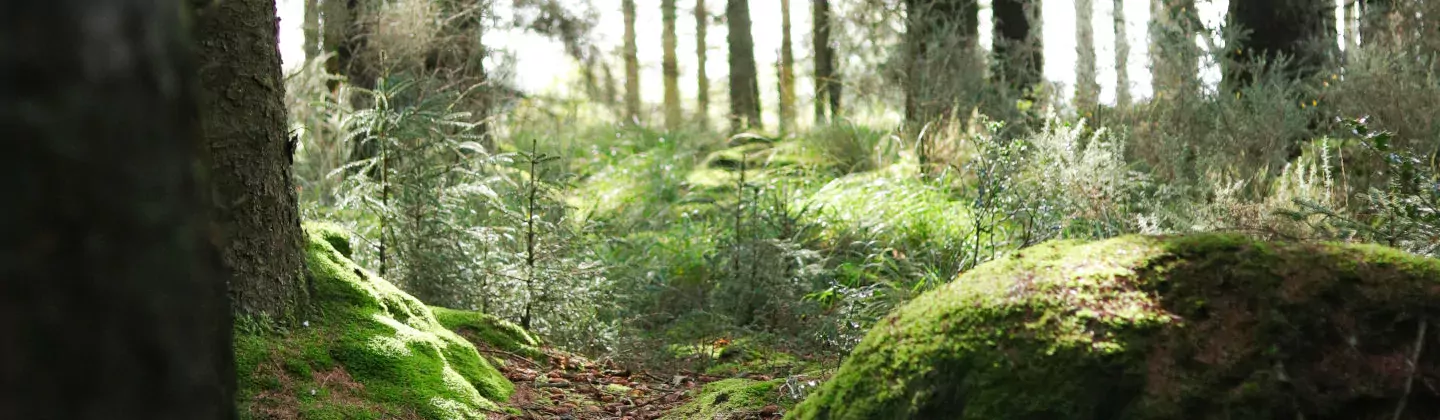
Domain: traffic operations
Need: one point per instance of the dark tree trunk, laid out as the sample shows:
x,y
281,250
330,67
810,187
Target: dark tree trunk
x,y
1122,56
244,126
941,44
1297,29
827,78
671,66
112,299
702,85
1019,56
632,65
1174,57
1087,87
744,83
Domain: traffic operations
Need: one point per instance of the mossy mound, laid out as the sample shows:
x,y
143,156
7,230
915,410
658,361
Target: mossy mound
x,y
1196,327
485,328
396,359
733,399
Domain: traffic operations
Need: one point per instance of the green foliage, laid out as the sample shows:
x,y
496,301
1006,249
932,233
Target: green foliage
x,y
1209,326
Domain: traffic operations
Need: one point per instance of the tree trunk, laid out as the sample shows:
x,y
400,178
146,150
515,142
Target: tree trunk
x,y
632,65
1376,23
673,117
1019,55
943,69
787,70
1174,57
1122,57
827,79
702,85
112,299
1293,28
1087,89
744,83
311,28
244,126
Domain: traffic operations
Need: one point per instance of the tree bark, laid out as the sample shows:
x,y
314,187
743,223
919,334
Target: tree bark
x,y
1174,57
827,79
242,103
1019,55
943,67
632,65
702,85
744,83
787,70
112,299
1297,29
1087,89
673,116
1122,57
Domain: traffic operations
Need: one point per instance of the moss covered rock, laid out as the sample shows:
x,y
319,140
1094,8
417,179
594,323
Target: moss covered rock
x,y
395,357
1197,327
733,399
489,330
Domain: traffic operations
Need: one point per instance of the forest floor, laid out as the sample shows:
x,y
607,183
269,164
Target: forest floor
x,y
566,386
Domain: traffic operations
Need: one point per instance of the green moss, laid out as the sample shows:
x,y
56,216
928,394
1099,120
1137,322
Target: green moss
x,y
731,398
1207,326
338,237
496,332
389,342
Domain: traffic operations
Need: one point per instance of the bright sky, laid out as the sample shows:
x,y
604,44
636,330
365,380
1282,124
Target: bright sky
x,y
542,65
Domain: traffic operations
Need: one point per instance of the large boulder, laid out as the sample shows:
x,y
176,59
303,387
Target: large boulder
x,y
1195,327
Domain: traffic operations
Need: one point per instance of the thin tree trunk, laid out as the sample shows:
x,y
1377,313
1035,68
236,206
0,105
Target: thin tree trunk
x,y
744,83
1018,50
827,80
112,299
632,65
242,102
702,85
1122,57
787,70
671,67
1087,89
1174,57
311,27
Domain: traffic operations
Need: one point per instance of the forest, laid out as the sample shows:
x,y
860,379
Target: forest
x,y
722,209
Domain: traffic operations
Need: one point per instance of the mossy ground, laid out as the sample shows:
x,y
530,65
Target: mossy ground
x,y
734,398
368,351
487,330
1203,327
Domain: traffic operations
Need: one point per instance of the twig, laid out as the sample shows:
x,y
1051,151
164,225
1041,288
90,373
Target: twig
x,y
1414,361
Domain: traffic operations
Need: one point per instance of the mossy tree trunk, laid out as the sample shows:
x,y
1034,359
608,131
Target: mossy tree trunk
x,y
1297,29
702,82
744,80
671,67
112,299
1087,89
786,75
1019,55
243,116
632,64
1174,57
311,28
942,65
827,78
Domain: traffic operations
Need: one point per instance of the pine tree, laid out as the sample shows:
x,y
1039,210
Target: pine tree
x,y
1019,57
702,83
242,103
942,64
1087,89
1301,30
632,64
827,78
1122,57
673,116
744,83
1174,57
787,70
